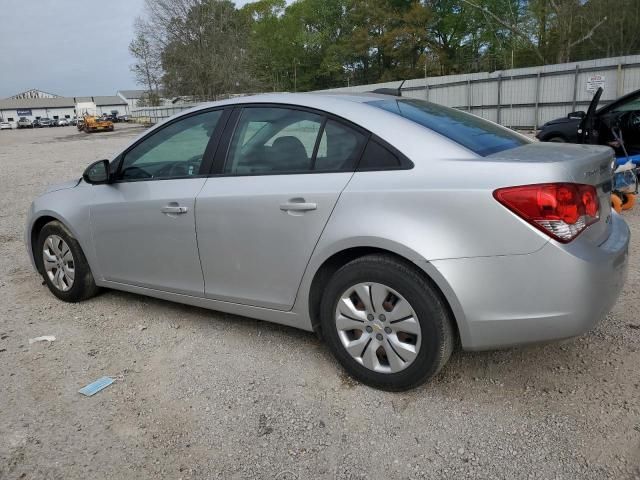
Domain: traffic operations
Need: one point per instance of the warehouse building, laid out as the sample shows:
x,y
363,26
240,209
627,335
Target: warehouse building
x,y
35,104
134,98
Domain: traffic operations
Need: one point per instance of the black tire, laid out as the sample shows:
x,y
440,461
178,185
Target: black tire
x,y
557,139
83,286
436,325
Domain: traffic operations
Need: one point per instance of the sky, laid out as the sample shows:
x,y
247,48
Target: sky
x,y
67,47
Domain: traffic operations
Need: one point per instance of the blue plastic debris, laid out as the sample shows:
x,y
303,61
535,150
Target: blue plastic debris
x,y
96,386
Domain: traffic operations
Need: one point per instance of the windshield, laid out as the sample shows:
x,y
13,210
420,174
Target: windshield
x,y
478,135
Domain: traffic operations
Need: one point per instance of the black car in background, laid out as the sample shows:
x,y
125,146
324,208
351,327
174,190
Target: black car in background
x,y
605,126
564,129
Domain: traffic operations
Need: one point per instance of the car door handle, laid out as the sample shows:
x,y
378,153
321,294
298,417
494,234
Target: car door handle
x,y
174,209
298,206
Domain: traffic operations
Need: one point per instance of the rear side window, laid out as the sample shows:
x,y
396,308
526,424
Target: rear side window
x,y
271,140
274,140
339,148
478,135
378,157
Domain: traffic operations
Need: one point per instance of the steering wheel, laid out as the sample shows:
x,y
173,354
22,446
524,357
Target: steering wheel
x,y
633,119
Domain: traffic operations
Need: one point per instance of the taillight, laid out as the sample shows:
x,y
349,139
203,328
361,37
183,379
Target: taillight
x,y
561,210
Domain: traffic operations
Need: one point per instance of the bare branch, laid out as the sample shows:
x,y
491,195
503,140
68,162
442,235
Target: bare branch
x,y
589,34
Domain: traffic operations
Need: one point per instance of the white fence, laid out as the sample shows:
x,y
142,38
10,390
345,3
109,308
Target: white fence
x,y
152,115
518,98
524,97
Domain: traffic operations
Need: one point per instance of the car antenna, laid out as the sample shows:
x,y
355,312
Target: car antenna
x,y
390,91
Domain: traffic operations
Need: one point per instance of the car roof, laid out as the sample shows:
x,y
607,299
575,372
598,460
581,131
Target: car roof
x,y
301,99
404,134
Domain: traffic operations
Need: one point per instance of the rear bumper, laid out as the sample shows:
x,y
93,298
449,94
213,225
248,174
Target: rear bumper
x,y
560,291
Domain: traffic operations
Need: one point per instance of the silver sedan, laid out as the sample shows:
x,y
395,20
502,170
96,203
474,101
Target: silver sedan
x,y
392,227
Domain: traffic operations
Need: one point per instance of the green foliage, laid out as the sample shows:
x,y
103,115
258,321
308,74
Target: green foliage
x,y
209,47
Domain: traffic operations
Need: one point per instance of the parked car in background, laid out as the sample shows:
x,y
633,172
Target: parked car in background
x,y
623,115
395,228
62,122
5,126
24,122
123,118
43,122
73,121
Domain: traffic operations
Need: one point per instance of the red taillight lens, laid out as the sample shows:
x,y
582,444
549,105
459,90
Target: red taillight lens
x,y
561,210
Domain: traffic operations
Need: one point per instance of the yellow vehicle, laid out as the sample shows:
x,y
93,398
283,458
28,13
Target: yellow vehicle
x,y
92,123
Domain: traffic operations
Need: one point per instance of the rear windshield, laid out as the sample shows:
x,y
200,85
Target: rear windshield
x,y
478,135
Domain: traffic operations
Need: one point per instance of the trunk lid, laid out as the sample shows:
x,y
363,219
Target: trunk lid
x,y
585,164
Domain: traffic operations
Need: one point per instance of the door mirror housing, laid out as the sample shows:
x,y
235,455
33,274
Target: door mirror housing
x,y
97,173
577,115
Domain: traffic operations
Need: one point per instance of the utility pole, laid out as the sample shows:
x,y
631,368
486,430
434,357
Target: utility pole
x,y
295,75
426,85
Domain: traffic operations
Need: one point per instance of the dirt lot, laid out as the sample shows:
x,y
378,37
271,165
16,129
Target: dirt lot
x,y
200,394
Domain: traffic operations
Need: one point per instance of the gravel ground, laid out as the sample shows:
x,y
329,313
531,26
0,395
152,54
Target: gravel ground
x,y
201,394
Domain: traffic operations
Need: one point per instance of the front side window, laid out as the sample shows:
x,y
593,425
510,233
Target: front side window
x,y
174,151
476,134
273,140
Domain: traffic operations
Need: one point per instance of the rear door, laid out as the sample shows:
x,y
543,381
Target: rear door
x,y
259,217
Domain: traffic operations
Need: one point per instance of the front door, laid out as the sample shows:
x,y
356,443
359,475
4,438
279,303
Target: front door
x,y
143,224
259,220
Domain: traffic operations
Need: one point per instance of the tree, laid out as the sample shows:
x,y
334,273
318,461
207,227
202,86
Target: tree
x,y
208,47
147,70
204,46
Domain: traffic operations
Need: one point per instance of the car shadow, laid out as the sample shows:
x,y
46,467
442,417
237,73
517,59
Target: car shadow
x,y
511,367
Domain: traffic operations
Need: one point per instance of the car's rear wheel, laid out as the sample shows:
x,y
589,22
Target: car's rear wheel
x,y
64,266
385,323
557,140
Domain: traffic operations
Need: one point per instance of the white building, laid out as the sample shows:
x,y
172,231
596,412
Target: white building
x,y
58,107
32,105
132,97
33,93
100,105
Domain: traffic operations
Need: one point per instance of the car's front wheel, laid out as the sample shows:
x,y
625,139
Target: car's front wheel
x,y
64,266
386,324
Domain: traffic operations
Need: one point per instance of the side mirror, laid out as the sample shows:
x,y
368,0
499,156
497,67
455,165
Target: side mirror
x,y
97,173
577,115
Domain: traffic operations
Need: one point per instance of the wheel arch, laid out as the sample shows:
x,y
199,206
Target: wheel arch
x,y
339,258
554,134
34,232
